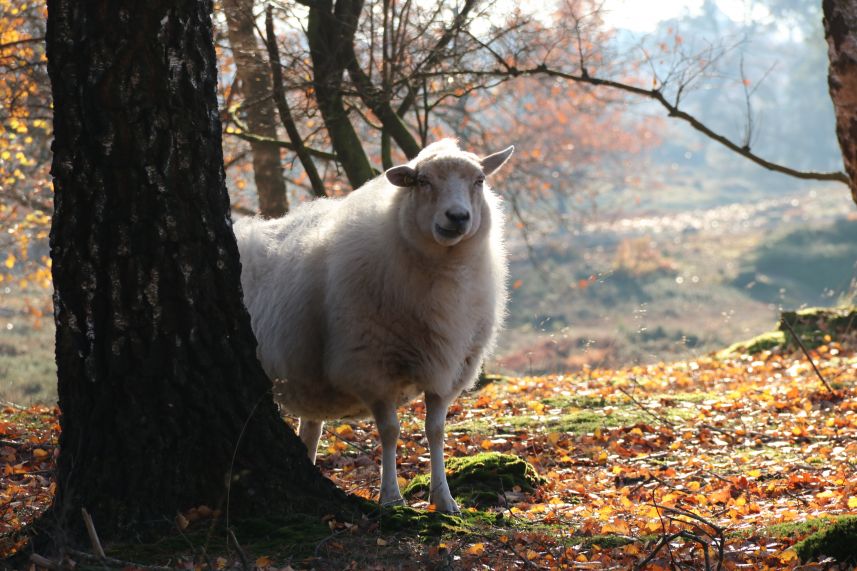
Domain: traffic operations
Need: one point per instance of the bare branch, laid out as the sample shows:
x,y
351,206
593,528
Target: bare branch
x,y
673,111
283,107
252,137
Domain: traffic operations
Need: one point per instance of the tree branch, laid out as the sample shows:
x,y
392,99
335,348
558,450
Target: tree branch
x,y
254,138
675,112
435,53
283,107
380,106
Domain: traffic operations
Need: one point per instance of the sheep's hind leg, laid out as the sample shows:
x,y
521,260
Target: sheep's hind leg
x,y
309,432
388,427
439,493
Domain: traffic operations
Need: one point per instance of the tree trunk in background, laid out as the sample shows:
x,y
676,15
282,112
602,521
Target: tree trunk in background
x,y
840,29
159,385
254,73
330,29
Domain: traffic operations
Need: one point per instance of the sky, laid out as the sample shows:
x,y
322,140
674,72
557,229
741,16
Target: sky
x,y
643,15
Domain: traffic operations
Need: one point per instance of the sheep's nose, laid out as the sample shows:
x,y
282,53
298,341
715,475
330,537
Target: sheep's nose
x,y
458,217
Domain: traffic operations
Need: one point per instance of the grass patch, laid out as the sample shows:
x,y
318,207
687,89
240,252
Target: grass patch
x,y
281,538
481,479
575,402
579,422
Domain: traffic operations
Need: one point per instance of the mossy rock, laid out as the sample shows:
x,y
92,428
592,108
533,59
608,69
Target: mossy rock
x,y
813,323
810,324
481,479
838,541
764,342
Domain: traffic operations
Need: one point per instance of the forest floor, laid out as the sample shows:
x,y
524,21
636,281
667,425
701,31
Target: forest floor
x,y
726,460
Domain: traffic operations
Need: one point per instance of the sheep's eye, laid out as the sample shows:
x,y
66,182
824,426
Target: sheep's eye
x,y
479,181
423,181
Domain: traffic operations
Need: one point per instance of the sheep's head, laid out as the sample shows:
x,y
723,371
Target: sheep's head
x,y
446,190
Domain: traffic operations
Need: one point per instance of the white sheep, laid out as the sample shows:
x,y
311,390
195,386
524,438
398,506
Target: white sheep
x,y
360,303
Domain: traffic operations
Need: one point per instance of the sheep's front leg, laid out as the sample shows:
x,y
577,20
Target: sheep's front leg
x,y
309,432
439,493
388,427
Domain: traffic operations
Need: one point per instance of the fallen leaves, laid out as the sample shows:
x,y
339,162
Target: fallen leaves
x,y
652,451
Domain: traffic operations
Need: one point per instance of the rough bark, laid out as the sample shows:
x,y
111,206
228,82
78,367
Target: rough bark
x,y
840,29
253,73
161,395
330,30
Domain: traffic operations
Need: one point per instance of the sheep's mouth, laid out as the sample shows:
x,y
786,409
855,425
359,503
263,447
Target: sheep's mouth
x,y
448,233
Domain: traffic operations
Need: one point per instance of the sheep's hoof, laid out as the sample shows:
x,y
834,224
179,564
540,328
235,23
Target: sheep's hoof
x,y
392,503
446,505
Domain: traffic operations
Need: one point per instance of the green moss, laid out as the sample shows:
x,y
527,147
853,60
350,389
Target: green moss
x,y
284,537
839,541
810,324
795,529
691,398
813,323
481,479
577,422
575,402
608,541
423,523
764,342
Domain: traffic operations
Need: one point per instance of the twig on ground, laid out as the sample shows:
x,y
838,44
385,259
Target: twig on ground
x,y
93,535
245,564
644,409
44,562
10,404
699,523
362,449
336,533
798,340
733,439
112,561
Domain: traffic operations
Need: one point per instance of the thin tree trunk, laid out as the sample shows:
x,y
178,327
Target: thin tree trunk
x,y
253,72
164,405
329,29
279,93
840,29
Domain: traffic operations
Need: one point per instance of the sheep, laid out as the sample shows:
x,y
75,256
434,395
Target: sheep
x,y
361,303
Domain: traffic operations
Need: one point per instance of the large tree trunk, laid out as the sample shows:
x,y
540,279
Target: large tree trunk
x,y
840,29
254,74
161,395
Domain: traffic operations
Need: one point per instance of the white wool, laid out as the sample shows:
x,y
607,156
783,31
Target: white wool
x,y
352,306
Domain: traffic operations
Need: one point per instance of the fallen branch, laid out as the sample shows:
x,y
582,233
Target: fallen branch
x,y
245,564
806,352
44,562
112,562
93,535
644,409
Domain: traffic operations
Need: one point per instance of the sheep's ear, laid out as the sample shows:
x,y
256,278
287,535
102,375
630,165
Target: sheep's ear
x,y
402,176
493,162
